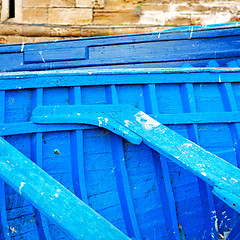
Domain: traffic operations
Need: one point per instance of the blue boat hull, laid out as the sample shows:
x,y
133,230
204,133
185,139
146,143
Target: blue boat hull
x,y
142,193
213,46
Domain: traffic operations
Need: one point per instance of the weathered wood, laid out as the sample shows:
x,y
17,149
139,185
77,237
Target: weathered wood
x,y
212,169
74,217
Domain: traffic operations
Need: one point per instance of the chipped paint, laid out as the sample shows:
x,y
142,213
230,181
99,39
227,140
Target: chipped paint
x,y
21,186
40,52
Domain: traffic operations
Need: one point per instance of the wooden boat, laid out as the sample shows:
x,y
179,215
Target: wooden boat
x,y
99,134
198,46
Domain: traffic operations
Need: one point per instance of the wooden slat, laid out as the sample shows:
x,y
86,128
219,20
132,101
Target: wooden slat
x,y
36,157
121,175
78,172
162,171
209,211
22,80
51,198
4,228
185,153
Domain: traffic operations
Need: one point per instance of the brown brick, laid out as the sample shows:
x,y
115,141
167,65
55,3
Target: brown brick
x,y
84,3
75,16
65,32
35,15
64,3
34,31
36,3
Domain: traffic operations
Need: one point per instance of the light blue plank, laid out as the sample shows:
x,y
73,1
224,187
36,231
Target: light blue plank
x,y
51,198
21,80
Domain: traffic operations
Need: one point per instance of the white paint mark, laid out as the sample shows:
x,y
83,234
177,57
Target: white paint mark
x,y
159,35
40,52
204,174
56,195
216,224
234,180
224,178
100,122
20,188
126,123
78,114
41,193
219,79
187,144
147,122
191,32
58,190
12,229
45,116
22,47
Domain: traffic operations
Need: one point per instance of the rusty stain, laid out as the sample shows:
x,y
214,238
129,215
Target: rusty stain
x,y
56,151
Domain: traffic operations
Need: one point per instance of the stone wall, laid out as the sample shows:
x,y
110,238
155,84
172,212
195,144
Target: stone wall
x,y
57,19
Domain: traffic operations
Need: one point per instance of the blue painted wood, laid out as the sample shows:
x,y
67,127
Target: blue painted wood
x,y
47,195
209,211
121,175
211,122
185,153
71,78
162,171
78,174
165,49
4,228
235,232
54,55
36,157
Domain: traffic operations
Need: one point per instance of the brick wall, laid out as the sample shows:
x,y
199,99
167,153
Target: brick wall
x,y
81,18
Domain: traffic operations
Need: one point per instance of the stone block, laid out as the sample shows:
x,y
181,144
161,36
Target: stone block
x,y
7,29
36,3
3,39
65,32
178,20
35,15
36,31
64,3
114,16
15,39
85,3
70,16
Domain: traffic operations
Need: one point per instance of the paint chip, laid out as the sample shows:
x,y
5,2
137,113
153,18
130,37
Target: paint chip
x,y
20,188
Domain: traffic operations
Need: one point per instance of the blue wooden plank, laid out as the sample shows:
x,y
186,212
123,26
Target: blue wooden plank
x,y
54,55
36,157
78,173
235,232
29,127
161,168
52,199
72,78
209,211
121,174
185,153
4,229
